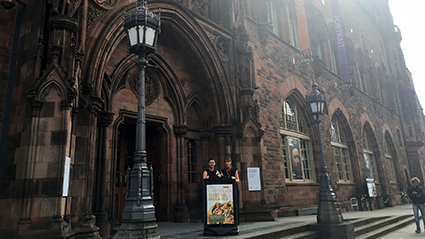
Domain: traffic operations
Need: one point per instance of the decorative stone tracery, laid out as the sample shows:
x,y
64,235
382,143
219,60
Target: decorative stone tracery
x,y
151,87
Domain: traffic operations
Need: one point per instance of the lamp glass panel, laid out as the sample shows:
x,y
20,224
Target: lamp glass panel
x,y
141,32
132,35
320,107
313,107
150,36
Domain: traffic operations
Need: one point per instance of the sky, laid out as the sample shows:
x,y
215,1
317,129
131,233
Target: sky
x,y
409,16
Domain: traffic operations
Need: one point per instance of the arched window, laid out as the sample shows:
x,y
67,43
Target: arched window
x,y
340,149
272,16
296,146
369,157
390,162
295,39
191,161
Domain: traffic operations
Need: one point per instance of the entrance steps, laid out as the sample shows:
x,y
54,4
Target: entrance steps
x,y
378,227
364,228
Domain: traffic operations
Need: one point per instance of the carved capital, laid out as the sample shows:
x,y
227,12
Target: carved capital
x,y
66,104
96,105
63,22
180,130
36,105
223,130
105,118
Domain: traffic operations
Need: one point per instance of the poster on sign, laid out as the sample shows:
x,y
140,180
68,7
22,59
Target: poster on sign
x,y
371,187
254,183
220,204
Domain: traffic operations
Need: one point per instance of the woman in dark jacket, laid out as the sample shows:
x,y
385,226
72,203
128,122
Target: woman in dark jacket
x,y
417,195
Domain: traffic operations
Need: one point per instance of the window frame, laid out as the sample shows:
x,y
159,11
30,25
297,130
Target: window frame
x,y
306,153
343,165
191,161
368,150
390,162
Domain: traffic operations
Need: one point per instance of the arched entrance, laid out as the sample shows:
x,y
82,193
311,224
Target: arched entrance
x,y
182,100
125,148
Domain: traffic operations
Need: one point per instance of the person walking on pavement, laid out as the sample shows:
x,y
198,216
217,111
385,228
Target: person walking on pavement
x,y
417,195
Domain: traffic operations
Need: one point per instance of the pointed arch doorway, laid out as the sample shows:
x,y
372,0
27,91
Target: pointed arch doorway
x,y
125,147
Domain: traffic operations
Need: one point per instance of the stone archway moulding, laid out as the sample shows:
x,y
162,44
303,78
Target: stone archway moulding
x,y
337,104
177,19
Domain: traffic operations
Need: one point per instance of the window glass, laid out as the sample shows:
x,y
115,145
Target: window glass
x,y
340,150
369,156
296,146
390,162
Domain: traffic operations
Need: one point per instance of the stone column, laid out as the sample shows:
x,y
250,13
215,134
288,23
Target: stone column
x,y
223,133
94,109
28,174
103,182
181,210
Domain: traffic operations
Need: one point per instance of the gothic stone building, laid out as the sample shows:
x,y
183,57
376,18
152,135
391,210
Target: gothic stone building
x,y
231,79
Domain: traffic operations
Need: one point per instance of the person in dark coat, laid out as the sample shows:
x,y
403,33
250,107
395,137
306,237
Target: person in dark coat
x,y
417,195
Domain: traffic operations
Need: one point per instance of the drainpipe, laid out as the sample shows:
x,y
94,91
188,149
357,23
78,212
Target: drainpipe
x,y
9,91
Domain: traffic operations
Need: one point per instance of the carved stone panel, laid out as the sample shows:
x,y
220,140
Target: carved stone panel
x,y
105,3
151,87
222,48
201,7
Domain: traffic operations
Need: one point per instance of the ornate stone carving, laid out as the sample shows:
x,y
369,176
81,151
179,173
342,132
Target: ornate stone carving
x,y
201,7
180,130
96,104
264,31
92,15
151,87
106,3
105,118
39,48
222,48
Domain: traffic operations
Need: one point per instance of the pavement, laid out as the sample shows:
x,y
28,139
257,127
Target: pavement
x,y
195,230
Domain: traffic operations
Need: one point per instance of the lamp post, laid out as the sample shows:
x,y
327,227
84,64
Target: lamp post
x,y
142,28
328,211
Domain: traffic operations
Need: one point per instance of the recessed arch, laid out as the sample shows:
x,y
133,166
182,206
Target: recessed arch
x,y
178,21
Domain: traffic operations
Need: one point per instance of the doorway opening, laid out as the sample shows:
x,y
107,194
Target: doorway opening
x,y
126,142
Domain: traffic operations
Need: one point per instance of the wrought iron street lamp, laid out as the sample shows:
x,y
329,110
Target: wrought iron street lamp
x,y
328,211
142,28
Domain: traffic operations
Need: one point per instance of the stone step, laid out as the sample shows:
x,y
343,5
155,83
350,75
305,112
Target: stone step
x,y
378,223
384,230
302,235
364,221
279,232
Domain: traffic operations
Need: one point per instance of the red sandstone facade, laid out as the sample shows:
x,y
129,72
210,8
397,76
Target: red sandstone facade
x,y
226,84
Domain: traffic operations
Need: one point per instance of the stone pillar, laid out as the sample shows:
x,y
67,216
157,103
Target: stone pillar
x,y
94,109
103,167
181,210
223,134
28,173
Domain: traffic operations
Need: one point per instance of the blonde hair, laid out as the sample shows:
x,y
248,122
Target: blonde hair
x,y
415,179
228,159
